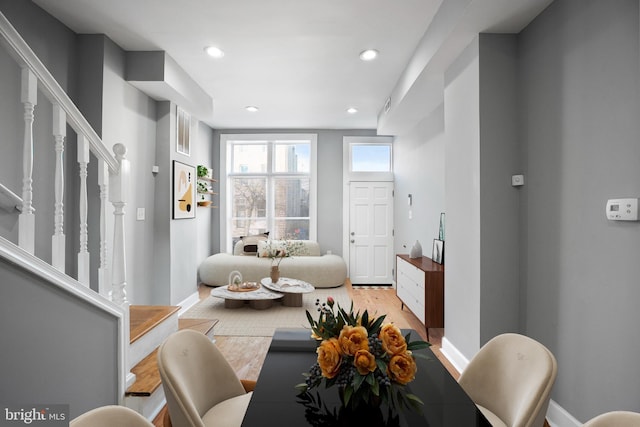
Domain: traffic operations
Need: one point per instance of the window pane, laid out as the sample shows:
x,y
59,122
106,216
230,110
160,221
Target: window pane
x,y
249,158
247,227
292,229
371,158
292,157
291,197
248,206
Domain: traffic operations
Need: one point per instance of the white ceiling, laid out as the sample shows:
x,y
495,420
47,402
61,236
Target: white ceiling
x,y
297,60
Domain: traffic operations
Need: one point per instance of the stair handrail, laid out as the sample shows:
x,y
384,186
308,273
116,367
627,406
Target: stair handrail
x,y
23,54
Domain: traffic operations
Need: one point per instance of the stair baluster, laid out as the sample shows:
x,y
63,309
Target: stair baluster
x,y
83,254
117,195
27,221
104,279
58,238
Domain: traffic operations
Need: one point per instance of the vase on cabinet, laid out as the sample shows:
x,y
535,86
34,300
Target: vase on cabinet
x,y
416,250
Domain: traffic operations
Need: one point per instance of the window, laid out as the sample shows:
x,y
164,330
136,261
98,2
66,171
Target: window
x,y
368,158
371,158
270,186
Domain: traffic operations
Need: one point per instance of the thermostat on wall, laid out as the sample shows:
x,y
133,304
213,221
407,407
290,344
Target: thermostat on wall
x,y
622,209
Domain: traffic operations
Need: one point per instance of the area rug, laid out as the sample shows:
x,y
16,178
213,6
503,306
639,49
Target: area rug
x,y
246,321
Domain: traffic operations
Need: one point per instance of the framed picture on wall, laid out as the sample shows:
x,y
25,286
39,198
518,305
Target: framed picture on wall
x,y
437,253
183,137
184,190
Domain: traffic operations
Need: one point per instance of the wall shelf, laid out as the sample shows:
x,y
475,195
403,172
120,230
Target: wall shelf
x,y
205,189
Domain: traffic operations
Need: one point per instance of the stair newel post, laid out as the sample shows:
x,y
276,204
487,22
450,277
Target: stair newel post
x,y
83,253
26,221
104,281
58,238
117,194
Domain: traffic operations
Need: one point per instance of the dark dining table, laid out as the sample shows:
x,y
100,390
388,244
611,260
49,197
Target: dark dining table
x,y
293,352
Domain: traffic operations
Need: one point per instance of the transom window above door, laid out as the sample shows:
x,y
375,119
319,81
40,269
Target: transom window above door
x,y
270,186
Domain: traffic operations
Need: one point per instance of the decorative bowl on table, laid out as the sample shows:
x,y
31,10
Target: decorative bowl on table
x,y
243,286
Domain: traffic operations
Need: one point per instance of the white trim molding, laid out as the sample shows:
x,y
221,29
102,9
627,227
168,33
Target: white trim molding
x,y
457,359
557,416
188,302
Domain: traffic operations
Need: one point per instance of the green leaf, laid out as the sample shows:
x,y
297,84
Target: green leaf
x,y
414,398
348,391
375,387
358,380
421,356
370,379
378,323
417,345
365,320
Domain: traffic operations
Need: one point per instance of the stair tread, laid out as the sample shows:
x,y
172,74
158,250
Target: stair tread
x,y
147,374
143,318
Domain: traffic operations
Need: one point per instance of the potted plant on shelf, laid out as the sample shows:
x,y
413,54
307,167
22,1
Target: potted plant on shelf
x,y
203,171
203,187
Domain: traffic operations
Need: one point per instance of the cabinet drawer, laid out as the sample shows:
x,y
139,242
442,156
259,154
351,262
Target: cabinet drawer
x,y
410,288
412,272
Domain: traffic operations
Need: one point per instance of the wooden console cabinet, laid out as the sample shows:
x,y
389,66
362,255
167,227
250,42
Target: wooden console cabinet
x,y
420,286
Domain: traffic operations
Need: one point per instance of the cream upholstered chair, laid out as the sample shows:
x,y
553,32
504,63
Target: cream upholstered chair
x,y
108,416
200,386
615,419
510,380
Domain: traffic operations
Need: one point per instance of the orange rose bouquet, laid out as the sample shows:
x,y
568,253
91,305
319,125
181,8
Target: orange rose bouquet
x,y
369,360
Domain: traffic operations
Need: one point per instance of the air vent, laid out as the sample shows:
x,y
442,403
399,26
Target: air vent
x,y
387,105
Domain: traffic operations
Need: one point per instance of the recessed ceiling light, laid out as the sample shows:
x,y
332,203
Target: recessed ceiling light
x,y
352,110
251,108
368,55
213,51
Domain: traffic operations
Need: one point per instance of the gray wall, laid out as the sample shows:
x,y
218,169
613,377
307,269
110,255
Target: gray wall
x,y
329,181
499,201
579,126
56,348
129,118
559,103
418,163
181,244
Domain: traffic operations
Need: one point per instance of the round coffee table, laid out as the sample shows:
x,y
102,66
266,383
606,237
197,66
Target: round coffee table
x,y
292,289
259,299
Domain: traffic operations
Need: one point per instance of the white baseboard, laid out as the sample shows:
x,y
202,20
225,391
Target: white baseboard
x,y
559,417
457,359
188,302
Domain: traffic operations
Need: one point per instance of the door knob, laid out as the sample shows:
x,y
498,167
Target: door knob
x,y
353,241
353,233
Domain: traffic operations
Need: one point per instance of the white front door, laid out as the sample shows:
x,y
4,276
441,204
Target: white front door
x,y
371,233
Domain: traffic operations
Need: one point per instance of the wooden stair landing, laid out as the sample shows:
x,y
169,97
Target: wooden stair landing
x,y
143,318
147,373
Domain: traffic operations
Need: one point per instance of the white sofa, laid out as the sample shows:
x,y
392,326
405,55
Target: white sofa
x,y
322,271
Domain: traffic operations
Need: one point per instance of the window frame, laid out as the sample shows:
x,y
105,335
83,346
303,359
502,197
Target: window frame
x,y
226,141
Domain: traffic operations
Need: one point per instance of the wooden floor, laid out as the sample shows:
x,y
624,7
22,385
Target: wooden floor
x,y
246,354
